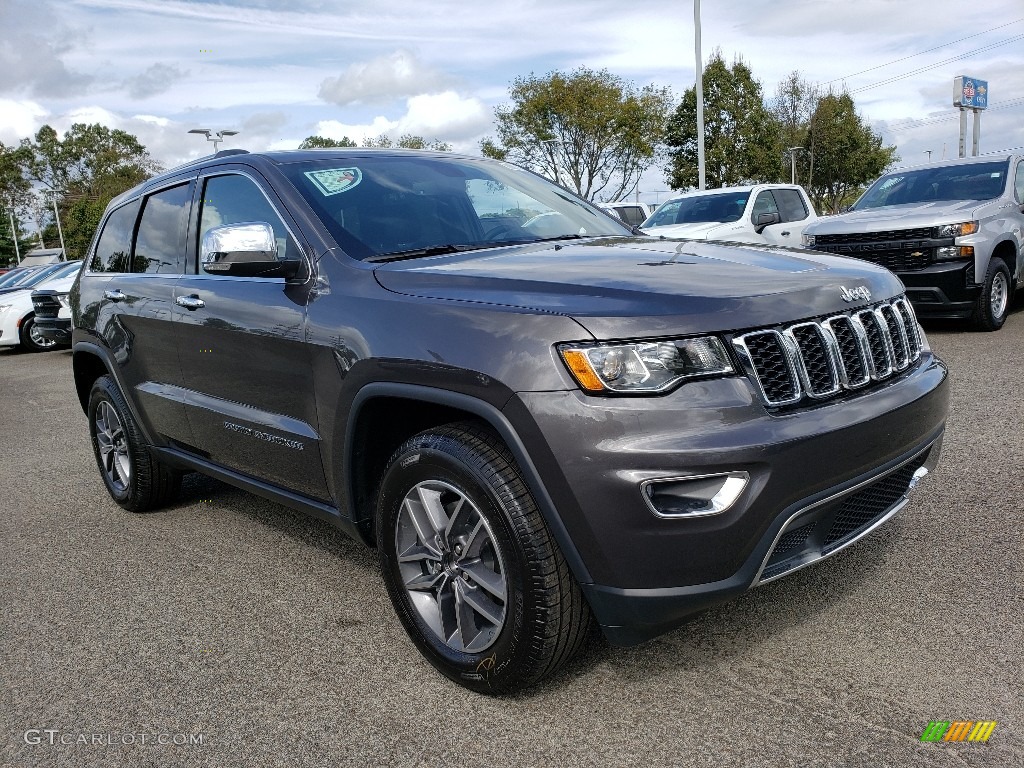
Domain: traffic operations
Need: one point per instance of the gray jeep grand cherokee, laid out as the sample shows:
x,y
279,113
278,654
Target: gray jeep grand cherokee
x,y
536,416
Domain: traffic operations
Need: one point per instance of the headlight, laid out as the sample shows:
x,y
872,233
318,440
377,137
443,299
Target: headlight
x,y
63,299
807,240
644,367
958,230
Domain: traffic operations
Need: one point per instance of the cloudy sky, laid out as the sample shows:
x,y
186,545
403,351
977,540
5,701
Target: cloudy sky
x,y
280,71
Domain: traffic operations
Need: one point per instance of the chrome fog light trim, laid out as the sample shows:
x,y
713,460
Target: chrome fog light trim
x,y
693,496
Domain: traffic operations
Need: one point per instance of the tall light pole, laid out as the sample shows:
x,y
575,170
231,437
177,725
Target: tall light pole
x,y
701,184
14,235
929,153
216,137
60,230
792,162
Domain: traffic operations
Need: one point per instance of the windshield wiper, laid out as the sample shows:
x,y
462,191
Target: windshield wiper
x,y
417,253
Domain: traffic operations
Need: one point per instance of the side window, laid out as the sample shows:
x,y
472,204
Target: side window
x,y
765,203
236,199
791,205
1018,184
160,243
115,243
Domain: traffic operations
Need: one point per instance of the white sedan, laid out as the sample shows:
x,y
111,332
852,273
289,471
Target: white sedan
x,y
17,318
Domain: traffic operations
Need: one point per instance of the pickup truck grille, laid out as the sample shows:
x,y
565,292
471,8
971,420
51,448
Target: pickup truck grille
x,y
45,303
899,250
824,358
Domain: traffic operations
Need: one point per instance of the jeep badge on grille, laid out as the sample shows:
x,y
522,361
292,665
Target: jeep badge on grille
x,y
860,292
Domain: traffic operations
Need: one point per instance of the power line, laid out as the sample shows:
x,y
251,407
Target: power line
x,y
935,65
921,53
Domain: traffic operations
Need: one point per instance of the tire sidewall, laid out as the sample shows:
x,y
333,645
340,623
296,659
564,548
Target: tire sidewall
x,y
26,336
502,663
991,320
103,391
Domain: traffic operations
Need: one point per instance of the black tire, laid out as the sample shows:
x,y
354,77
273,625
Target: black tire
x,y
545,619
994,301
30,338
134,478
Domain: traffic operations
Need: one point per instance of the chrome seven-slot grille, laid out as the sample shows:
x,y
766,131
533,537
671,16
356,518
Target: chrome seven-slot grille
x,y
822,358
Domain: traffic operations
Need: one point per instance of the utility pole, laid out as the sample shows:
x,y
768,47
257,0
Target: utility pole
x,y
60,231
701,176
792,162
14,237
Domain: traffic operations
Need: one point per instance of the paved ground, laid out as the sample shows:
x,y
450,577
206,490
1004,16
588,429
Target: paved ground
x,y
270,637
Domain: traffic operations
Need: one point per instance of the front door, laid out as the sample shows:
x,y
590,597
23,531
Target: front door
x,y
244,361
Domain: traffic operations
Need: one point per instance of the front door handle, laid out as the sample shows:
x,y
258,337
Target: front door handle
x,y
114,295
191,303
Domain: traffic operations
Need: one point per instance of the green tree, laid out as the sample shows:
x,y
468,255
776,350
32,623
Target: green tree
x,y
86,169
408,141
591,130
845,153
793,105
322,142
741,136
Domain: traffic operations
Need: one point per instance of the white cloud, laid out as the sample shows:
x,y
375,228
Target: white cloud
x,y
19,120
396,75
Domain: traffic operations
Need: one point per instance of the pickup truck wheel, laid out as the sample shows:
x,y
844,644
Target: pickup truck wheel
x,y
990,311
134,479
470,566
32,339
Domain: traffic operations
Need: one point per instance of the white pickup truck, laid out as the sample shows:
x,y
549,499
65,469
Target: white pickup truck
x,y
774,214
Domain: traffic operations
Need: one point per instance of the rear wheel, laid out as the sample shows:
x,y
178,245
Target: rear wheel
x,y
134,478
32,339
473,572
994,301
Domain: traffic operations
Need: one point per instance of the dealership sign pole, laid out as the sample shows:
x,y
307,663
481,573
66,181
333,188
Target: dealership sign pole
x,y
970,93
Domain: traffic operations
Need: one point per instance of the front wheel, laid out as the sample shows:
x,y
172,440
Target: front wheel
x,y
994,301
32,339
471,568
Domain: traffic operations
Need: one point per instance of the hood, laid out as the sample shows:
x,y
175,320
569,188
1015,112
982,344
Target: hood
x,y
911,216
634,287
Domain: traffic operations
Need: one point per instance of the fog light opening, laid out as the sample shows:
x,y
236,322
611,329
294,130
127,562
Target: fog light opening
x,y
699,496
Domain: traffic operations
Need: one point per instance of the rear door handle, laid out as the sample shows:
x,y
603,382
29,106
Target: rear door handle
x,y
191,303
114,295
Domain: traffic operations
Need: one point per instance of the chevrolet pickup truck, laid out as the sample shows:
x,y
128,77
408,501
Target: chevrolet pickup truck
x,y
952,231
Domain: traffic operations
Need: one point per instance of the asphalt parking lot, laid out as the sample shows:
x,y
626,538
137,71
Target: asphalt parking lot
x,y
229,631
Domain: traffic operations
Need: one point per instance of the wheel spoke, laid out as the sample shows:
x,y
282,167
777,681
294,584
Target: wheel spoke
x,y
425,581
453,518
418,553
464,616
431,501
446,609
486,578
425,533
478,600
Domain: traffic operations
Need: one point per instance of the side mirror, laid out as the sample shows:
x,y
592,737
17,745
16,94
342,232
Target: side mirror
x,y
766,220
248,250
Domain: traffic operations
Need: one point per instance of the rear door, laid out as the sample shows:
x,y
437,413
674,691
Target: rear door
x,y
141,252
241,342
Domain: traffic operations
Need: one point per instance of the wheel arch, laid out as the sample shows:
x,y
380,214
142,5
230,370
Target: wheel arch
x,y
1007,251
89,361
376,409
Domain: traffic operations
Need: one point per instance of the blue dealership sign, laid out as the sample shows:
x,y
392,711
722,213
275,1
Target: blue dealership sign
x,y
970,92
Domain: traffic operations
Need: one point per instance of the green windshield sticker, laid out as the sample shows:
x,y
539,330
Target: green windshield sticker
x,y
335,180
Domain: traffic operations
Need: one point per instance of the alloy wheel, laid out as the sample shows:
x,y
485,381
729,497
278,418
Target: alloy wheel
x,y
451,566
113,447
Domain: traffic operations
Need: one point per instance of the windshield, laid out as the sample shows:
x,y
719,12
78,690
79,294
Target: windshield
x,y
378,206
973,181
15,276
699,209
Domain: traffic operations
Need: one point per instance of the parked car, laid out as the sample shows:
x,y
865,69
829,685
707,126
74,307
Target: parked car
x,y
52,310
775,214
13,274
634,214
17,315
32,277
534,424
953,231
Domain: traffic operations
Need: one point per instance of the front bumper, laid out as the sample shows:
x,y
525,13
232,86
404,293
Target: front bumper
x,y
648,573
54,328
943,290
